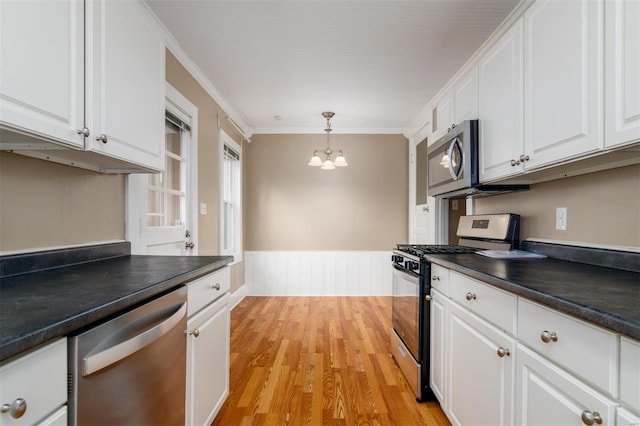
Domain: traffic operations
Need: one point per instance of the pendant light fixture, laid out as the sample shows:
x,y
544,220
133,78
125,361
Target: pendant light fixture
x,y
327,164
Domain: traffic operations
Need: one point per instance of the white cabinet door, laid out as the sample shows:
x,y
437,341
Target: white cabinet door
x,y
208,362
438,345
477,372
625,418
444,117
125,90
547,395
563,80
465,97
41,68
622,72
500,108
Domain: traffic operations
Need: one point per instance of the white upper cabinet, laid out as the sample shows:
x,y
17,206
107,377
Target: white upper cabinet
x,y
460,104
125,90
622,72
86,75
443,117
500,108
41,67
465,97
562,80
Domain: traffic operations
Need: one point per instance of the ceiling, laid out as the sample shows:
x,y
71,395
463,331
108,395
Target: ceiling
x,y
279,64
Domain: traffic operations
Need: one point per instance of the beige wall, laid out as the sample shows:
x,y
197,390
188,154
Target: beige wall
x,y
44,205
291,206
602,208
208,180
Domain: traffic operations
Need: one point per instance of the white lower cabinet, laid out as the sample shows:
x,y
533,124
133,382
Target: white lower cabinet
x,y
33,387
480,388
625,418
548,395
207,361
438,344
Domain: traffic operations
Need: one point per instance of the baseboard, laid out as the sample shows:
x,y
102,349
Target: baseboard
x,y
237,296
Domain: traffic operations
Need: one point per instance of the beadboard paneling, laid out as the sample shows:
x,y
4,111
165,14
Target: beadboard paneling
x,y
318,273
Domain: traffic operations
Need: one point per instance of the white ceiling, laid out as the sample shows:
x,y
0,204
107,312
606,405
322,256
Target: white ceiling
x,y
377,64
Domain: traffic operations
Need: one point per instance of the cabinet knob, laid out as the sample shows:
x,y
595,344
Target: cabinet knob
x,y
102,138
194,333
84,132
548,336
189,245
502,352
427,298
471,296
435,278
515,163
216,286
524,158
16,409
589,418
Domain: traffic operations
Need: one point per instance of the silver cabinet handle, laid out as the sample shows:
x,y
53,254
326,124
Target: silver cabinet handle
x,y
425,209
589,418
216,286
113,354
435,278
427,298
548,336
194,333
514,163
524,158
502,352
84,132
189,245
16,409
471,296
102,138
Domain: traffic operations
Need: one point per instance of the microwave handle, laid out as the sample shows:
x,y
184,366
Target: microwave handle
x,y
455,175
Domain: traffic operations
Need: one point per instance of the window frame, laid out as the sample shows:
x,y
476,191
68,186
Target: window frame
x,y
236,251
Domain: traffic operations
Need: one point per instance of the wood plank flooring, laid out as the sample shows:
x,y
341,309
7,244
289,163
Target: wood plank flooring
x,y
317,361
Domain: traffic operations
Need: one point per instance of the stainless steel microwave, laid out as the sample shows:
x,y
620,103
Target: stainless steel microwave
x,y
452,165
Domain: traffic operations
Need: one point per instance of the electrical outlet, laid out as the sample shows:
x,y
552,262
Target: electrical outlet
x,y
203,208
454,204
561,218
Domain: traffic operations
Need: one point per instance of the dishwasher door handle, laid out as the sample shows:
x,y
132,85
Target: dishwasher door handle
x,y
113,354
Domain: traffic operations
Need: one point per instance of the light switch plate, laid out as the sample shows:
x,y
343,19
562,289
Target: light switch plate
x,y
561,218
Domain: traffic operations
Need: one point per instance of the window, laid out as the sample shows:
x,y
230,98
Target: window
x,y
230,197
166,191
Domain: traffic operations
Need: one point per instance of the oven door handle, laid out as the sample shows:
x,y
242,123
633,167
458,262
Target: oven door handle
x,y
118,351
410,276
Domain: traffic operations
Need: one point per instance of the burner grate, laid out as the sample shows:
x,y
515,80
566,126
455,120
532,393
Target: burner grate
x,y
420,250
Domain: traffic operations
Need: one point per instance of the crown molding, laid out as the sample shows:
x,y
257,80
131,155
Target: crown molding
x,y
195,71
319,131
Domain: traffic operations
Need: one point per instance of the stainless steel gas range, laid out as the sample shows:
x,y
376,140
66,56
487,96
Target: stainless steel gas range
x,y
410,337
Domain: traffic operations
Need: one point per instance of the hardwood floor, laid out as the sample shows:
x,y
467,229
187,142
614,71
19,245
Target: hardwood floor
x,y
315,361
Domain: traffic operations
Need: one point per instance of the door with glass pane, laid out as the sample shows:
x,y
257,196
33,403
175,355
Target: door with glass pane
x,y
160,210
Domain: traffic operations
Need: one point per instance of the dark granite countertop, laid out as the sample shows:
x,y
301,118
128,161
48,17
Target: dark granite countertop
x,y
37,307
601,295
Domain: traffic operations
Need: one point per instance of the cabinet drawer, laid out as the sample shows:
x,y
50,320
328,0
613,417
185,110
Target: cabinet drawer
x,y
494,305
630,372
440,279
206,289
40,378
587,350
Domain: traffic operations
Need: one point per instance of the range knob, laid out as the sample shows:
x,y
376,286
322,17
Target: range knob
x,y
413,266
396,259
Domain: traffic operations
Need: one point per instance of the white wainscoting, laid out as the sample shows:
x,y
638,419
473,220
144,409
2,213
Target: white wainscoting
x,y
318,273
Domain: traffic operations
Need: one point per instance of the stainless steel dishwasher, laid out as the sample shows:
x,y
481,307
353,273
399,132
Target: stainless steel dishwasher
x,y
131,369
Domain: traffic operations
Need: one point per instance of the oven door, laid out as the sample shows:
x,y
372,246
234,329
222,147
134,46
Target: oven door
x,y
405,311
